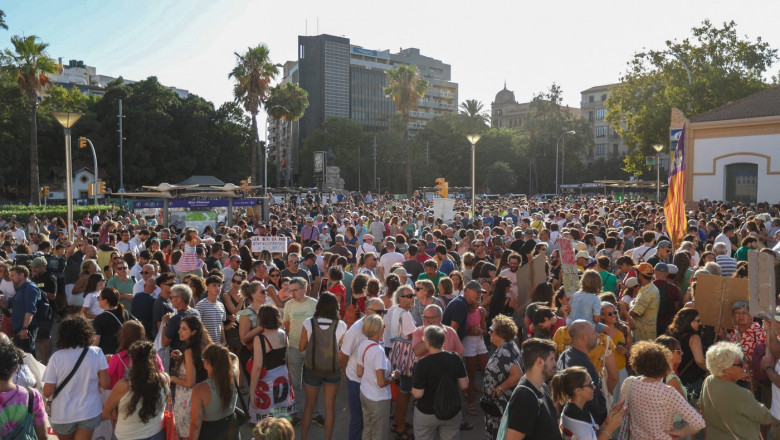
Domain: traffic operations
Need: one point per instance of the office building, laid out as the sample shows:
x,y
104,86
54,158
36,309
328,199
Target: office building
x,y
506,112
607,143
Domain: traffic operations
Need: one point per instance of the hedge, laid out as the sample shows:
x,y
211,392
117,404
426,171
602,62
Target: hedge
x,y
23,212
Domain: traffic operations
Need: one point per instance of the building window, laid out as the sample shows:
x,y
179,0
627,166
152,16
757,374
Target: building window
x,y
601,113
604,97
498,112
590,98
601,131
615,150
601,149
590,116
741,182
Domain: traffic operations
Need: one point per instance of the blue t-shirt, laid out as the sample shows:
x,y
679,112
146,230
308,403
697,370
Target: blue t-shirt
x,y
446,267
584,306
23,302
457,311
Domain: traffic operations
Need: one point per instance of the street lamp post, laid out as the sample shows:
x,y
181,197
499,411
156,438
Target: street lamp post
x,y
562,136
658,148
473,138
67,120
679,58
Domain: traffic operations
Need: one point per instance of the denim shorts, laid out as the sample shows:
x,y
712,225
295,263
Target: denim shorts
x,y
313,379
70,428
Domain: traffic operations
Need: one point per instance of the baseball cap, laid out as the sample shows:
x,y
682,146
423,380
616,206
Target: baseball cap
x,y
583,254
631,282
38,262
645,269
664,244
673,269
662,267
475,286
368,237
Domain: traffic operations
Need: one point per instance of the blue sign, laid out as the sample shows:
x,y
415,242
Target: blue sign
x,y
193,203
361,51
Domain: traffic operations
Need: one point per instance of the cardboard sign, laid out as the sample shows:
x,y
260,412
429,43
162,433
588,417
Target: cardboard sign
x,y
761,279
529,276
571,281
270,244
714,297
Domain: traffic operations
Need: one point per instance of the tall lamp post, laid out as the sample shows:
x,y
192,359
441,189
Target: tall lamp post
x,y
679,58
473,138
658,148
67,120
562,136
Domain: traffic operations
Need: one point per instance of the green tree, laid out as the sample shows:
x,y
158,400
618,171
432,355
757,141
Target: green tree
x,y
724,67
405,87
288,102
2,21
478,120
500,178
253,74
29,64
59,98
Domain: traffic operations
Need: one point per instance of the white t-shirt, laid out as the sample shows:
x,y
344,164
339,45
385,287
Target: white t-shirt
x,y
92,304
123,247
7,289
388,260
374,359
139,287
398,323
341,329
83,387
349,346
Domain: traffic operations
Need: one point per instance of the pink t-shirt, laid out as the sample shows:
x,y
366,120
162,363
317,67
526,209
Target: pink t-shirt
x,y
451,340
473,319
119,364
14,409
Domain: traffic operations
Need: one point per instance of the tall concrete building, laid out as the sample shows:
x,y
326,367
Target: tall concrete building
x,y
347,80
607,143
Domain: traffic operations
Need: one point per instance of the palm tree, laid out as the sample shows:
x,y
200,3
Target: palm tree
x,y
472,108
405,88
477,120
253,73
2,20
287,101
29,63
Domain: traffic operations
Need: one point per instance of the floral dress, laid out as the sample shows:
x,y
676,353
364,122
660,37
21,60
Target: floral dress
x,y
496,372
182,404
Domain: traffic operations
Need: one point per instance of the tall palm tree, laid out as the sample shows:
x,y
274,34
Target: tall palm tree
x,y
406,88
287,101
477,120
253,74
472,107
29,63
2,20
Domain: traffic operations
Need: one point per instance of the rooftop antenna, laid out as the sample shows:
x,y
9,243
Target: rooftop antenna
x,y
307,26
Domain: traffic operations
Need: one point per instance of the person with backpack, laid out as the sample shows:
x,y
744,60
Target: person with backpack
x,y
320,340
437,383
374,370
27,424
47,285
24,306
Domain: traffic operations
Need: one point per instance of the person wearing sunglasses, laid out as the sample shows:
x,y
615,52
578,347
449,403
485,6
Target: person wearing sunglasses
x,y
572,388
729,410
686,328
399,326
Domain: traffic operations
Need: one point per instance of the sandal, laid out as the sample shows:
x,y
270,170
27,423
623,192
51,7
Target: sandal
x,y
403,435
472,409
466,426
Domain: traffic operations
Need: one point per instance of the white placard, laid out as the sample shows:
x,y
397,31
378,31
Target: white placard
x,y
444,209
270,244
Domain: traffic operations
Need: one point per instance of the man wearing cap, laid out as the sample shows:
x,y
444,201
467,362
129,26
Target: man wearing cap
x,y
669,297
663,253
367,246
644,308
458,309
47,284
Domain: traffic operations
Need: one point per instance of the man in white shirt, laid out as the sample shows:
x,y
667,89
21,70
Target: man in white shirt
x,y
725,238
647,250
139,241
387,260
147,271
234,261
125,245
367,246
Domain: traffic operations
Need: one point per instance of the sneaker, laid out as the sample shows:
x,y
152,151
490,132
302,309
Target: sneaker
x,y
295,421
318,419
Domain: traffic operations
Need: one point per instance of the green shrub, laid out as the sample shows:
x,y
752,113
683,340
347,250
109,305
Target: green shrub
x,y
23,212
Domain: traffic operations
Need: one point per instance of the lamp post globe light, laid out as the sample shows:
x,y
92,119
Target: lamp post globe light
x,y
473,138
67,120
562,136
658,148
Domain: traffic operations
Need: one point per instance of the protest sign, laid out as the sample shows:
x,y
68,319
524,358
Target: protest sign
x,y
761,279
571,281
714,297
270,244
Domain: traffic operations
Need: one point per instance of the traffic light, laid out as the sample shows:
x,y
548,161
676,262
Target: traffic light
x,y
82,142
442,187
244,184
46,191
102,187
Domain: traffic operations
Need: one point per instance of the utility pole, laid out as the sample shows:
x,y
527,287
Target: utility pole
x,y
427,152
376,179
121,164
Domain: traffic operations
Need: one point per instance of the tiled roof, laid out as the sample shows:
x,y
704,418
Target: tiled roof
x,y
766,103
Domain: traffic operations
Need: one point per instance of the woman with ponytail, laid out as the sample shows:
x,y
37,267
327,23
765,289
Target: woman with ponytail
x,y
214,400
137,401
109,323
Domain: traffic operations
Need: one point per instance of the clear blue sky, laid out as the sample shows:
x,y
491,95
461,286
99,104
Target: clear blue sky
x,y
190,43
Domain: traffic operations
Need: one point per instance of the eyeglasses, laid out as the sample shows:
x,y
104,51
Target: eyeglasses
x,y
169,285
146,273
740,364
591,384
410,296
610,313
236,281
115,258
379,312
275,275
121,268
419,288
260,291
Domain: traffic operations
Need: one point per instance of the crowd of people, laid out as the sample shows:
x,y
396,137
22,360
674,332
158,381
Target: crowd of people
x,y
161,332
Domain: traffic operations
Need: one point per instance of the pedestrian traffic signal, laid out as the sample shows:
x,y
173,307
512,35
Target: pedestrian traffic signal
x,y
442,188
46,191
102,187
82,142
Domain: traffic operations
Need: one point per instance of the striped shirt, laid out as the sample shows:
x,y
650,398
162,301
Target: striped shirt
x,y
727,265
212,315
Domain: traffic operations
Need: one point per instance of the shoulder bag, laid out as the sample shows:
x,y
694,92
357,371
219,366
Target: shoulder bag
x,y
624,432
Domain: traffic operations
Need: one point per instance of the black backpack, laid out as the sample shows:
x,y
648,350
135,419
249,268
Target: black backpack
x,y
43,310
447,402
